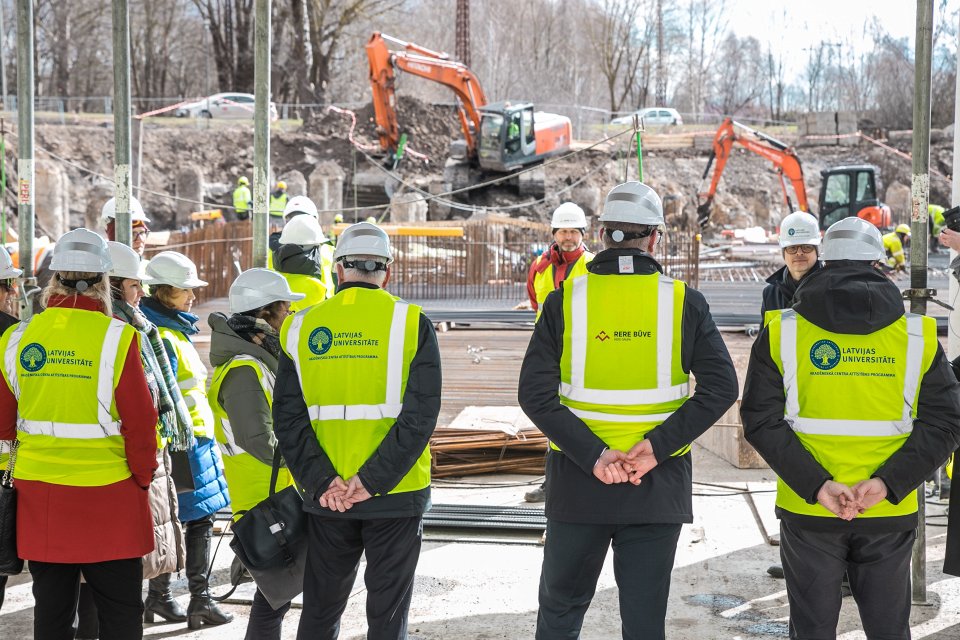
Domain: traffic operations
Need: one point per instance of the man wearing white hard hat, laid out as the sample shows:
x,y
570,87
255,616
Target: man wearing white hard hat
x,y
607,378
305,259
566,257
853,404
355,403
138,221
800,248
244,348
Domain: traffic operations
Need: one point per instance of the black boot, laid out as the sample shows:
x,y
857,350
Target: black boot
x,y
160,602
202,609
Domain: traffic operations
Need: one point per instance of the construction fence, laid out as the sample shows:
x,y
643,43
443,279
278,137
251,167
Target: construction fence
x,y
468,260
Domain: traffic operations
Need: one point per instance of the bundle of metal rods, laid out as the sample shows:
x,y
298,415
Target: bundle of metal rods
x,y
461,452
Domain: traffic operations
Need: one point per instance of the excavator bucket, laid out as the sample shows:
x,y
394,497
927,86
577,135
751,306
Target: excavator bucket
x,y
703,215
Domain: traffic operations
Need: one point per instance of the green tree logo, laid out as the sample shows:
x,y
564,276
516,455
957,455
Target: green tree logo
x,y
320,341
33,357
825,354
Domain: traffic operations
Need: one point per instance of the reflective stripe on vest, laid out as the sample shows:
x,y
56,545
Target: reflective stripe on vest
x,y
106,426
192,381
665,391
267,381
830,427
545,281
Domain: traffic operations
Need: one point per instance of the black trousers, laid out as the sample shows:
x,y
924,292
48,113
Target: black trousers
x,y
265,623
879,568
392,548
573,557
116,590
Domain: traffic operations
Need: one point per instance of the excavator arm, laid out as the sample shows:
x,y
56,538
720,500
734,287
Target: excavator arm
x,y
780,154
428,64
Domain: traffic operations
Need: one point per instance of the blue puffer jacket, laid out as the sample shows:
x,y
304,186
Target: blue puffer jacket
x,y
210,494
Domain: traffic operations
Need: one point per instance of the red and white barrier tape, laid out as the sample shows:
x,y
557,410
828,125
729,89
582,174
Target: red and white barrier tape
x,y
368,147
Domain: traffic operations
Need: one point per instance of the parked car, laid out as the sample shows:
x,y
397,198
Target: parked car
x,y
233,106
652,116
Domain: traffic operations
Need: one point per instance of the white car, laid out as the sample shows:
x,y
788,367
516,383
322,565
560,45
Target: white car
x,y
652,116
233,106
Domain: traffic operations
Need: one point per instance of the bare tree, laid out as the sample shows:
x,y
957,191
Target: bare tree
x,y
619,46
740,65
813,73
230,24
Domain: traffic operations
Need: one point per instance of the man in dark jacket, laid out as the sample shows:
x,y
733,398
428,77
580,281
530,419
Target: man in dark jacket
x,y
852,404
359,452
623,420
799,244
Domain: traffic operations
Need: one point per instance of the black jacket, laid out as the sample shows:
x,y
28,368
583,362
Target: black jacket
x,y
849,298
292,258
664,496
392,460
951,559
780,289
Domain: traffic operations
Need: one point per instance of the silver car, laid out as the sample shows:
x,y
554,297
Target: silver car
x,y
652,116
232,106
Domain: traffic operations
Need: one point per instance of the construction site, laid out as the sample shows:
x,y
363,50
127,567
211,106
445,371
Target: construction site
x,y
465,182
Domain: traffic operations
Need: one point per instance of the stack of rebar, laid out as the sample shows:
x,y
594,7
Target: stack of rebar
x,y
463,452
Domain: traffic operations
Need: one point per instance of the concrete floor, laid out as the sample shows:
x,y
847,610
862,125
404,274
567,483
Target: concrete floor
x,y
483,585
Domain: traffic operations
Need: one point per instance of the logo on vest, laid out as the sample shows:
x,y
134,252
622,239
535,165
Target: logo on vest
x,y
825,354
602,336
33,357
321,339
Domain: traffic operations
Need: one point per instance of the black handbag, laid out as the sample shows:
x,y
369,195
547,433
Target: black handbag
x,y
270,540
10,563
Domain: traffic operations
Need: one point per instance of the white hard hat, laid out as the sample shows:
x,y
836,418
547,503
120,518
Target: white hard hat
x,y
174,269
633,202
81,250
302,230
255,288
568,216
852,239
7,270
363,239
126,262
301,204
109,210
799,227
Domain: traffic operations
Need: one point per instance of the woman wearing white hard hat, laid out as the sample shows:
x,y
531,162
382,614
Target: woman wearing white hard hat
x,y
306,260
174,431
245,348
172,278
800,248
81,478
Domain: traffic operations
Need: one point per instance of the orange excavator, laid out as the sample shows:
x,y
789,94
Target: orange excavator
x,y
845,190
498,137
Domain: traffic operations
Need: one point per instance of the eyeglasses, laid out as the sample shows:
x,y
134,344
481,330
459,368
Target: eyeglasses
x,y
7,285
802,248
143,233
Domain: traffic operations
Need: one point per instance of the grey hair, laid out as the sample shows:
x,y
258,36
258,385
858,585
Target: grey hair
x,y
359,275
627,227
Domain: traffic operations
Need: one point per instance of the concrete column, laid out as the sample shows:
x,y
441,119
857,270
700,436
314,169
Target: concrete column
x,y
408,207
189,185
326,190
296,183
95,199
51,183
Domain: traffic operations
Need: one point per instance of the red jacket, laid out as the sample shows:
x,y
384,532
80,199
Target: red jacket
x,y
562,260
57,523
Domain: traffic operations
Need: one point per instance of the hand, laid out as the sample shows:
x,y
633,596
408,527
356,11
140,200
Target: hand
x,y
950,238
869,493
609,467
332,498
640,460
838,499
356,492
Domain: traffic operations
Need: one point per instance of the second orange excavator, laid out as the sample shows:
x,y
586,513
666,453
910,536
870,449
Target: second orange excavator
x,y
498,138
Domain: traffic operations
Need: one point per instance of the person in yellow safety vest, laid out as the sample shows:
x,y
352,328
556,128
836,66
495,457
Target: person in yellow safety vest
x,y
799,246
242,198
172,278
76,397
278,202
607,378
298,206
893,245
244,349
936,224
566,257
853,404
355,403
300,260
8,300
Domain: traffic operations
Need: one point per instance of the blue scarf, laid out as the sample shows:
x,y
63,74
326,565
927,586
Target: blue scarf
x,y
162,316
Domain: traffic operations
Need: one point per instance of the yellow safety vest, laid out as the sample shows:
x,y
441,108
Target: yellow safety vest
x,y
192,380
352,355
248,479
822,371
63,366
894,249
326,266
543,280
277,205
241,199
621,370
307,285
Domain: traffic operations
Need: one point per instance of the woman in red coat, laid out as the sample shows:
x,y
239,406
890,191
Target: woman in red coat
x,y
87,446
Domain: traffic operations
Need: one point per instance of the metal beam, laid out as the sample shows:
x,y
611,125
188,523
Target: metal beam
x,y
121,120
25,172
261,131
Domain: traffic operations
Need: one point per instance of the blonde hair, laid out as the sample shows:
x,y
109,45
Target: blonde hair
x,y
164,294
99,291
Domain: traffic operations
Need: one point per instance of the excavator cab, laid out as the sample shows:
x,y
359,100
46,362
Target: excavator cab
x,y
851,190
507,136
